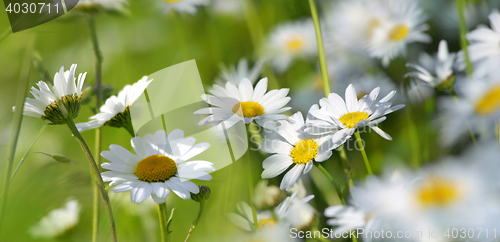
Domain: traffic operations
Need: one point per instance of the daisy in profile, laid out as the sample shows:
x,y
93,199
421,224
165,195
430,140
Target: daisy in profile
x,y
476,110
404,24
289,41
236,74
244,103
58,103
435,71
97,5
294,148
58,221
116,111
484,47
183,6
342,118
159,166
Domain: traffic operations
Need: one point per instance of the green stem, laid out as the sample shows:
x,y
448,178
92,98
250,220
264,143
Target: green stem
x,y
195,222
363,153
28,152
347,166
250,180
325,172
321,49
162,215
97,176
98,131
463,30
16,129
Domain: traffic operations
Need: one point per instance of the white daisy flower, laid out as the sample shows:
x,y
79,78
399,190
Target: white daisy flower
x,y
47,102
243,102
437,71
293,211
351,23
236,74
383,28
346,117
484,47
448,192
92,5
267,196
404,24
159,165
476,109
297,212
58,221
289,41
116,111
183,6
296,149
244,217
346,218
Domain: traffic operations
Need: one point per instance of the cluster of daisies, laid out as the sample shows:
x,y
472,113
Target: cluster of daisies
x,y
455,192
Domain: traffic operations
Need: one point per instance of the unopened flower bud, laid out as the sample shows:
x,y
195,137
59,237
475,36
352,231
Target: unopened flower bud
x,y
203,195
61,158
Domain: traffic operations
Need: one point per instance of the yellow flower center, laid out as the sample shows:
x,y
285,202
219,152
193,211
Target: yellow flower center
x,y
398,32
267,222
489,103
351,119
438,192
304,151
173,1
155,168
296,44
248,109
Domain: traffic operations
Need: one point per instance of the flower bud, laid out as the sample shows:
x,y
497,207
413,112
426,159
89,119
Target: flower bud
x,y
203,195
61,158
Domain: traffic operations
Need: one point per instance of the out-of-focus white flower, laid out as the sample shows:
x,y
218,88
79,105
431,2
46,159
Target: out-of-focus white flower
x,y
296,149
297,212
293,211
92,5
418,91
244,103
437,71
244,217
289,41
342,118
58,221
477,109
159,166
183,6
484,48
115,112
383,27
404,25
236,74
266,196
229,7
346,218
